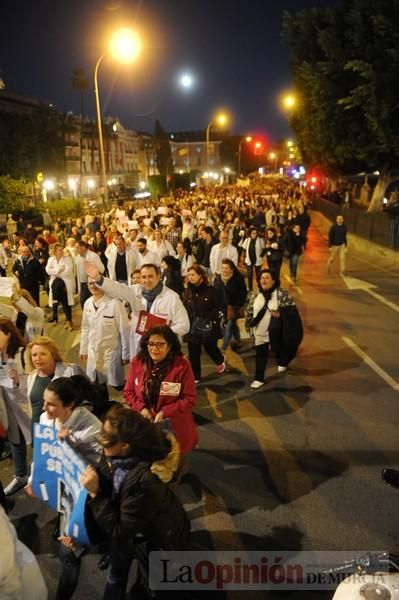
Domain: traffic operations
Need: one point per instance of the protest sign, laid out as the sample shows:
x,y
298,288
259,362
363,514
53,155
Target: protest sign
x,y
141,212
7,285
56,471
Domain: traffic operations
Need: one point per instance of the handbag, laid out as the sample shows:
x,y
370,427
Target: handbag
x,y
201,327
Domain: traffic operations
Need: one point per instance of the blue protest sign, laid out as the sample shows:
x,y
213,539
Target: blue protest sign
x,y
56,471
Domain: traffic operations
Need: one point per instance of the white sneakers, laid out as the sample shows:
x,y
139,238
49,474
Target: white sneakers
x,y
281,369
16,484
255,385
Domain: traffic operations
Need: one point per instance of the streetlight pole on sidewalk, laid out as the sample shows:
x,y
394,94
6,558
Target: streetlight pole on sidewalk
x,y
125,46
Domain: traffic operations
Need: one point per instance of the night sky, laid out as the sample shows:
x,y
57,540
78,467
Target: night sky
x,y
233,48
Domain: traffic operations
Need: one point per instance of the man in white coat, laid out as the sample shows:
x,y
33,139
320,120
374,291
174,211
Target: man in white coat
x,y
221,251
121,260
105,338
155,299
84,254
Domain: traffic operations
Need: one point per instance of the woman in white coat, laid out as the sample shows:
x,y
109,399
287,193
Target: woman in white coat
x,y
160,247
62,284
105,338
20,575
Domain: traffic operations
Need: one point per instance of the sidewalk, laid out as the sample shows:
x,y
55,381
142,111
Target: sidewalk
x,y
371,249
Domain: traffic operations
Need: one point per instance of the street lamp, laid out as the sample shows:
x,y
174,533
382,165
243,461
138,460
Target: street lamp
x,y
273,156
124,46
221,120
247,139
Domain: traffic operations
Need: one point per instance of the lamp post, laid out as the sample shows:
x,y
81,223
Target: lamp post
x,y
273,156
221,120
247,139
124,46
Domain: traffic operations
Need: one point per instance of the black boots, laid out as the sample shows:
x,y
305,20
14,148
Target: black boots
x,y
54,318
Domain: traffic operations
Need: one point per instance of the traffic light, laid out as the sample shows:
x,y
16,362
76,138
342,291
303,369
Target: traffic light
x,y
258,148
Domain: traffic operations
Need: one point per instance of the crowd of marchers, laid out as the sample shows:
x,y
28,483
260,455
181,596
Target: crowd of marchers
x,y
157,281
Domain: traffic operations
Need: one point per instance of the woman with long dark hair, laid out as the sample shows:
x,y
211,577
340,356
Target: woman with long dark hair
x,y
203,303
171,274
160,385
232,286
13,396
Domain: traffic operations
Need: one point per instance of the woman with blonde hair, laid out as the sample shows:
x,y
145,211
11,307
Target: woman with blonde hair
x,y
44,363
160,246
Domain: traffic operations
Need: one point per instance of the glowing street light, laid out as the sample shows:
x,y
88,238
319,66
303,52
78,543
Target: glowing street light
x,y
247,139
274,156
125,47
288,101
290,143
186,81
221,120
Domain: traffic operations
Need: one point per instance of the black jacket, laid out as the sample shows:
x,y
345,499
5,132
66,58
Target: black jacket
x,y
144,505
30,275
204,301
286,333
234,292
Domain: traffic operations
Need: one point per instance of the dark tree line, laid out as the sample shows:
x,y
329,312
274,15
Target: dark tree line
x,y
345,65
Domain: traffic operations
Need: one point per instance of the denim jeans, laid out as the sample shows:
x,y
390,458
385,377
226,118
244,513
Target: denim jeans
x,y
231,331
70,573
294,265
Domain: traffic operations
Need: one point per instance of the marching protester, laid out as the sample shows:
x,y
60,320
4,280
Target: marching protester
x,y
160,385
203,303
15,401
338,244
220,251
149,515
232,286
295,242
85,254
63,410
105,338
29,272
153,303
171,274
44,363
160,247
122,260
273,310
61,285
254,247
184,254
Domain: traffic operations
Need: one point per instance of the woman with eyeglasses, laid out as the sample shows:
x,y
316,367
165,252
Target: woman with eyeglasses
x,y
139,512
160,385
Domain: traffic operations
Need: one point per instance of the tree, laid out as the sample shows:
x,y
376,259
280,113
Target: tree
x,y
12,194
345,62
163,153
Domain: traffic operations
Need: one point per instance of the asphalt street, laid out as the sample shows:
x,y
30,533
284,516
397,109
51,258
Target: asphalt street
x,y
295,465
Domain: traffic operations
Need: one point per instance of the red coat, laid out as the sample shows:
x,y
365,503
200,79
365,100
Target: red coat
x,y
176,401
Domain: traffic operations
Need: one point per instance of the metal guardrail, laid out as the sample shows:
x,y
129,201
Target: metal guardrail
x,y
376,227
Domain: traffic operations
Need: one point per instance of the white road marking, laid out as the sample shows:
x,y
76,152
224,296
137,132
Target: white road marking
x,y
372,364
358,284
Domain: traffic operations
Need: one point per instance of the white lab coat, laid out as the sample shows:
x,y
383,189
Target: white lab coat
x,y
35,320
166,305
53,269
161,250
91,257
105,339
218,253
149,258
130,257
20,575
